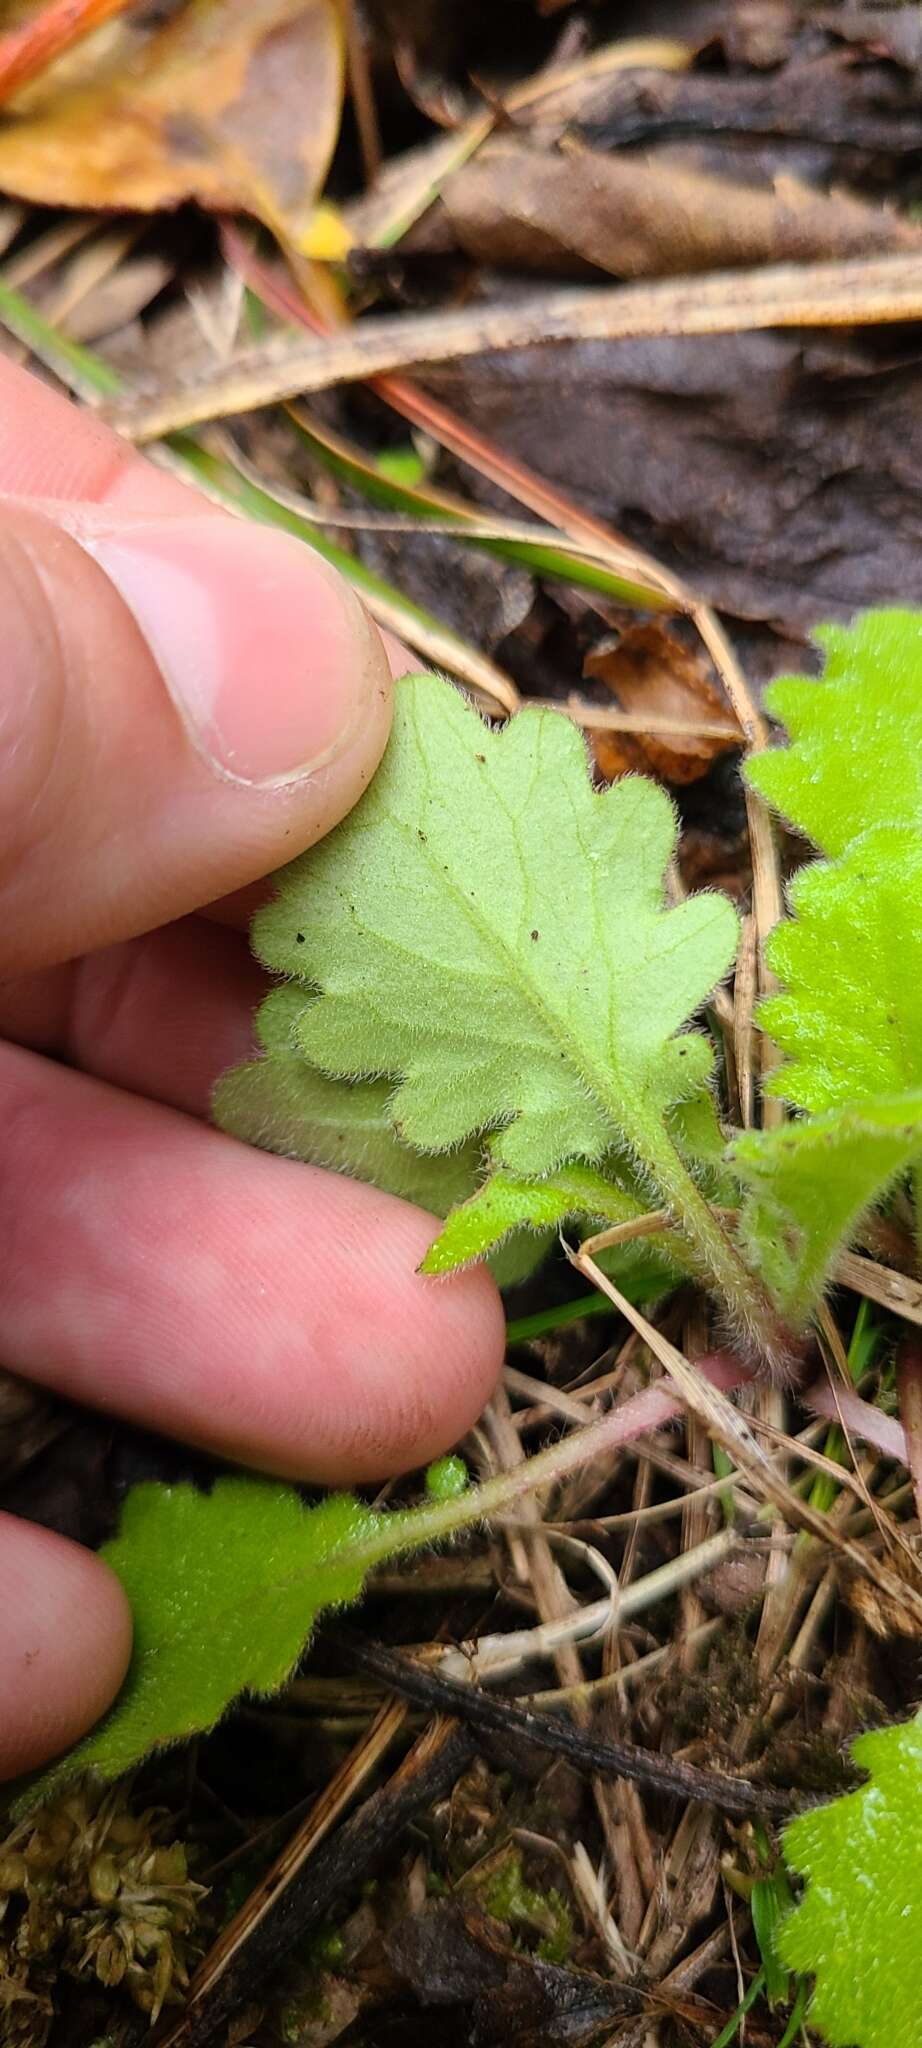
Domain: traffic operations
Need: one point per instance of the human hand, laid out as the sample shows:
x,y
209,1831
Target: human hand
x,y
185,703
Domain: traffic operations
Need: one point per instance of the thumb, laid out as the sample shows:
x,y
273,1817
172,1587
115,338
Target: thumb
x,y
185,703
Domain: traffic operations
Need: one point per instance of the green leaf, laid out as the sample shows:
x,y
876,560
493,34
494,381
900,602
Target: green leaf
x,y
855,758
282,1105
224,1588
770,1903
810,1183
850,1017
506,1201
489,931
643,1268
858,1929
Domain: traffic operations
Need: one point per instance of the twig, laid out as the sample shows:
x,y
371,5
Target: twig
x,y
728,1426
503,1717
863,291
909,1381
324,1812
431,1769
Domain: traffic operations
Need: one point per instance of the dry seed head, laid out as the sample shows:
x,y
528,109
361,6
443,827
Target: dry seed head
x,y
87,1889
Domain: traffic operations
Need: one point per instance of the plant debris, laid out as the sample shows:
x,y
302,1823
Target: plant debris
x,y
584,340
91,1888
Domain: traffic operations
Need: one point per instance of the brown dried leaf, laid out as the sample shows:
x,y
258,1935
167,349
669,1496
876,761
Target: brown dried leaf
x,y
779,86
635,216
452,1954
778,473
235,103
879,1609
652,672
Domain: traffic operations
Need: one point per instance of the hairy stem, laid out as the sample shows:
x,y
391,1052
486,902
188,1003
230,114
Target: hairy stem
x,y
716,1257
645,1411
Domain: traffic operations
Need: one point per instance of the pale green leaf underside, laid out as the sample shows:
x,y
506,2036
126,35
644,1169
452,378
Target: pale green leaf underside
x,y
224,1588
859,1927
850,1017
809,1184
855,755
488,931
283,1105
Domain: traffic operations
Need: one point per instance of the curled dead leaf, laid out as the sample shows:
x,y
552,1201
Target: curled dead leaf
x,y
575,210
651,672
235,103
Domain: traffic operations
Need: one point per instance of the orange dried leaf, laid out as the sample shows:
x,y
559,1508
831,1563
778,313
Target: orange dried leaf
x,y
653,673
235,103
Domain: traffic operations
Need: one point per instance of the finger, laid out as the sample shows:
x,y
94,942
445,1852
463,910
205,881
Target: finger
x,y
185,700
65,1640
124,802
238,908
261,1308
162,1016
52,449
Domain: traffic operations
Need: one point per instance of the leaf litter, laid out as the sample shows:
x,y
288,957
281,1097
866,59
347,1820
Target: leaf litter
x,y
772,474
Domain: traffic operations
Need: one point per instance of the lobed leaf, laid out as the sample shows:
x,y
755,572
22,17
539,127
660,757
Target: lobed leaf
x,y
850,960
488,931
283,1105
809,1184
855,755
849,1014
858,1929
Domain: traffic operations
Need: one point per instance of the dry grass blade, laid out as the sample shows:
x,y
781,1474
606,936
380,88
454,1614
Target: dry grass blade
x,y
336,1796
734,1434
429,1771
605,718
865,292
489,1658
909,1381
896,1291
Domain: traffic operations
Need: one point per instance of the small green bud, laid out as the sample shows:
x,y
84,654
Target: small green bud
x,y
447,1479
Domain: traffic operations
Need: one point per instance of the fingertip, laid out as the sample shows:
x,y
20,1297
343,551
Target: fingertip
x,y
65,1643
209,697
264,1309
438,1353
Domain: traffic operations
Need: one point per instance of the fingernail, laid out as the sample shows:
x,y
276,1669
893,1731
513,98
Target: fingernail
x,y
267,654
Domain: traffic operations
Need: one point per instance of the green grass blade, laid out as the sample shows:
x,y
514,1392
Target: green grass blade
x,y
350,466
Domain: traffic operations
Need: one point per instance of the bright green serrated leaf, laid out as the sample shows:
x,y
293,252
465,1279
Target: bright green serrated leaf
x,y
850,961
810,1183
489,931
506,1201
858,1930
224,1588
855,754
